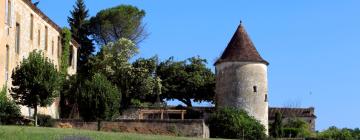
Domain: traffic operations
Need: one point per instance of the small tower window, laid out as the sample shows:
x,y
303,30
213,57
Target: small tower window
x,y
255,88
266,98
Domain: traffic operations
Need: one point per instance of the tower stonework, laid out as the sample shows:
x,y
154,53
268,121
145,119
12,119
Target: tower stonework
x,y
241,78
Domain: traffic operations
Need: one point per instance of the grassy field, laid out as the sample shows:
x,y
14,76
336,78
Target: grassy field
x,y
42,133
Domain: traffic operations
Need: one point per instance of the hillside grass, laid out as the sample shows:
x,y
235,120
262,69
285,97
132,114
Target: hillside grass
x,y
44,133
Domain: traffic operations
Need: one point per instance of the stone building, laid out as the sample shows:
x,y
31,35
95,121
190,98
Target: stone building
x,y
306,114
241,78
24,28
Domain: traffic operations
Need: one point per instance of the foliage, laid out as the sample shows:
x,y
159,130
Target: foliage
x,y
69,95
65,41
334,133
135,81
45,120
186,80
8,109
35,82
235,124
123,21
80,32
276,129
297,128
98,99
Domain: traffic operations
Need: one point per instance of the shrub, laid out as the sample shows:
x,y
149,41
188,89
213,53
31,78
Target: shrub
x,y
297,128
45,120
235,124
98,99
9,111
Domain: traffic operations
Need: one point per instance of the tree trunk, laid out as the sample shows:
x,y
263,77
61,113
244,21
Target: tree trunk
x,y
35,116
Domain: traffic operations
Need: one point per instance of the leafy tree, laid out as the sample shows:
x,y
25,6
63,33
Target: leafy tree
x,y
35,82
98,99
297,128
80,32
69,96
186,80
276,129
235,124
8,109
135,81
334,133
123,21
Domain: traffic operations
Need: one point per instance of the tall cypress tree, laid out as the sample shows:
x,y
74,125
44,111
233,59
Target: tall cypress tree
x,y
80,32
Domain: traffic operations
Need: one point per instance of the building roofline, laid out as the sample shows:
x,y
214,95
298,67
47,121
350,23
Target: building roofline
x,y
47,19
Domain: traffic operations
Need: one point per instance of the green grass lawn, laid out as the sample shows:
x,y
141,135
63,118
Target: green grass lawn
x,y
43,133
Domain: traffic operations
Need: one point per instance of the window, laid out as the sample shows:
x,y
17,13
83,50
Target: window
x,y
59,47
7,63
46,38
39,38
52,47
17,38
266,97
8,8
254,88
71,56
31,26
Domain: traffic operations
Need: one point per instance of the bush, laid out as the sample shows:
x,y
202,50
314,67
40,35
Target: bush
x,y
235,124
45,120
98,99
9,111
334,133
297,128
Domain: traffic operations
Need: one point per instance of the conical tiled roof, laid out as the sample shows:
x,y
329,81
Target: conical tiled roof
x,y
241,49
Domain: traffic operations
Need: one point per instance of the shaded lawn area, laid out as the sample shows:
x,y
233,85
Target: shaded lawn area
x,y
43,133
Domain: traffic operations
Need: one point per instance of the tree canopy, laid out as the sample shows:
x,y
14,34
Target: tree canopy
x,y
80,32
186,80
35,82
123,21
98,99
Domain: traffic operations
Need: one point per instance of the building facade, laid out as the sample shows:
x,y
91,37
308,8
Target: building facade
x,y
24,28
241,78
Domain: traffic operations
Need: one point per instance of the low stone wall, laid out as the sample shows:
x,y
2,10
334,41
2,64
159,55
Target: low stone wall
x,y
188,128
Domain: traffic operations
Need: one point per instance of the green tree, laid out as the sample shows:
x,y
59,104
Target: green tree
x,y
186,80
297,127
235,124
8,109
334,133
35,82
135,81
80,32
123,21
98,99
276,129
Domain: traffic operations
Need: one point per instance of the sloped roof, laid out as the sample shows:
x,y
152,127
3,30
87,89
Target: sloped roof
x,y
241,49
292,112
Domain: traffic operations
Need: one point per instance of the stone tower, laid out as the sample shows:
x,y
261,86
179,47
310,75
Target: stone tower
x,y
241,78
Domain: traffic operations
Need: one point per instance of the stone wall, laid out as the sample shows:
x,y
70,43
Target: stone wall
x,y
35,39
187,128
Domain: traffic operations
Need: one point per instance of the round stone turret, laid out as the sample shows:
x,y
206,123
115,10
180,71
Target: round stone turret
x,y
241,78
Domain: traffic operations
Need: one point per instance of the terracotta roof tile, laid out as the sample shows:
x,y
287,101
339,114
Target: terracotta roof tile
x,y
241,48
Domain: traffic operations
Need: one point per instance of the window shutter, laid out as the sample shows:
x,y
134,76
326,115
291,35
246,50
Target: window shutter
x,y
12,12
6,12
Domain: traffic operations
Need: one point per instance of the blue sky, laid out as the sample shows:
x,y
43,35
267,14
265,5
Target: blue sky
x,y
313,46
